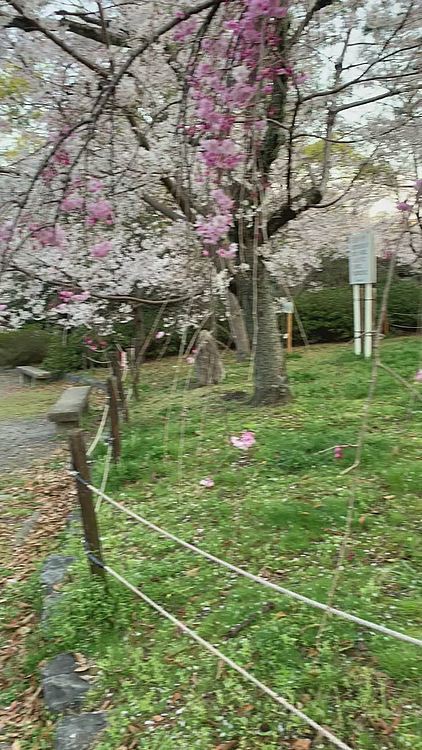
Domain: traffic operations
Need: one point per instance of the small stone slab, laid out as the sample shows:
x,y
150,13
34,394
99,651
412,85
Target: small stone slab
x,y
79,732
54,570
33,373
61,664
70,406
64,691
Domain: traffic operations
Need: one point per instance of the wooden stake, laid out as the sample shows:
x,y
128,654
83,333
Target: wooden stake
x,y
114,418
117,372
289,332
89,520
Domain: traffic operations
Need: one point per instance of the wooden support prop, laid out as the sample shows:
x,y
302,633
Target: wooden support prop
x,y
89,520
117,372
289,332
114,418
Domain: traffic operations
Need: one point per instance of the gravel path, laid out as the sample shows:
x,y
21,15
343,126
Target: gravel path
x,y
22,440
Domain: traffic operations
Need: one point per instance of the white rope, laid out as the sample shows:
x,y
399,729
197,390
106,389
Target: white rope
x,y
258,579
100,430
215,651
106,472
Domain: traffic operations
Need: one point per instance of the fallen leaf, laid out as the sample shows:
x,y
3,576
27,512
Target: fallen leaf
x,y
230,745
362,520
301,744
158,718
246,709
279,615
82,668
192,572
176,697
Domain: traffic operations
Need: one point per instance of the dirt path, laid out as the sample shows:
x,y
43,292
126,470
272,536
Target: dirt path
x,y
22,440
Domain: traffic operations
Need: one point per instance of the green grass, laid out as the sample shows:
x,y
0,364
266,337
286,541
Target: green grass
x,y
279,510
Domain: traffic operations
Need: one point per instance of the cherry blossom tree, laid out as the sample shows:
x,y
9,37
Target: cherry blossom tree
x,y
203,115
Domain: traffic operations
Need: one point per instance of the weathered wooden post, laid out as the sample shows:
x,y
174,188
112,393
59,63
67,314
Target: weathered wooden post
x,y
89,519
117,372
114,418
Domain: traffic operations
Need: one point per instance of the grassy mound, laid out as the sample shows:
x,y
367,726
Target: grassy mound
x,y
280,510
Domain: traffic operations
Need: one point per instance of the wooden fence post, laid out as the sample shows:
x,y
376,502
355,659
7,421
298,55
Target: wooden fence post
x,y
89,519
117,372
289,332
114,417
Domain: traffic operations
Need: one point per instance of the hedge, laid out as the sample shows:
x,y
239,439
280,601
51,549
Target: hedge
x,y
327,314
25,346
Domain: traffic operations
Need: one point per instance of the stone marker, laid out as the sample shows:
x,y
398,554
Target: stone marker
x,y
209,369
79,732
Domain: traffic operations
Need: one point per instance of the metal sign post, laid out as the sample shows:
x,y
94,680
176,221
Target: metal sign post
x,y
362,273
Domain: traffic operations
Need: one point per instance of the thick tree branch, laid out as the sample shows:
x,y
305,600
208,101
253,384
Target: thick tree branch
x,y
287,212
317,6
171,186
34,24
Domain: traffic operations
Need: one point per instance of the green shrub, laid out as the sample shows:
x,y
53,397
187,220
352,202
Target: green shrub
x,y
26,346
64,356
327,314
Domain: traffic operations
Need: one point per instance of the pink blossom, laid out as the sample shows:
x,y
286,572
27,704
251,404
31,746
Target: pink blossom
x,y
300,77
207,482
72,203
81,297
190,360
403,206
185,30
338,451
228,253
418,376
65,295
214,228
6,231
95,185
50,236
101,249
244,441
159,335
220,154
101,210
62,157
48,174
3,307
222,200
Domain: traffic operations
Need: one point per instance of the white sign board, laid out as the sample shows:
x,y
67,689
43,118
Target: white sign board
x,y
286,306
362,262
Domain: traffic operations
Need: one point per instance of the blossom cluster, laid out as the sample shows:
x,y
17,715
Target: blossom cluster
x,y
230,90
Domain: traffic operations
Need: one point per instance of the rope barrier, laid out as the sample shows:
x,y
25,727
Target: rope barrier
x,y
100,430
257,579
106,472
226,659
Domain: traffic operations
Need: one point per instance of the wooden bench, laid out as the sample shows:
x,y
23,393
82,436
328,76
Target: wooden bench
x,y
68,410
31,374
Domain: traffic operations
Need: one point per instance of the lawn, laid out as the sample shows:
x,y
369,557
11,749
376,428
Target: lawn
x,y
279,510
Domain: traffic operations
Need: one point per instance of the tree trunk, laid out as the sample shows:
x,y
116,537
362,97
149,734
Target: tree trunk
x,y
238,328
270,378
